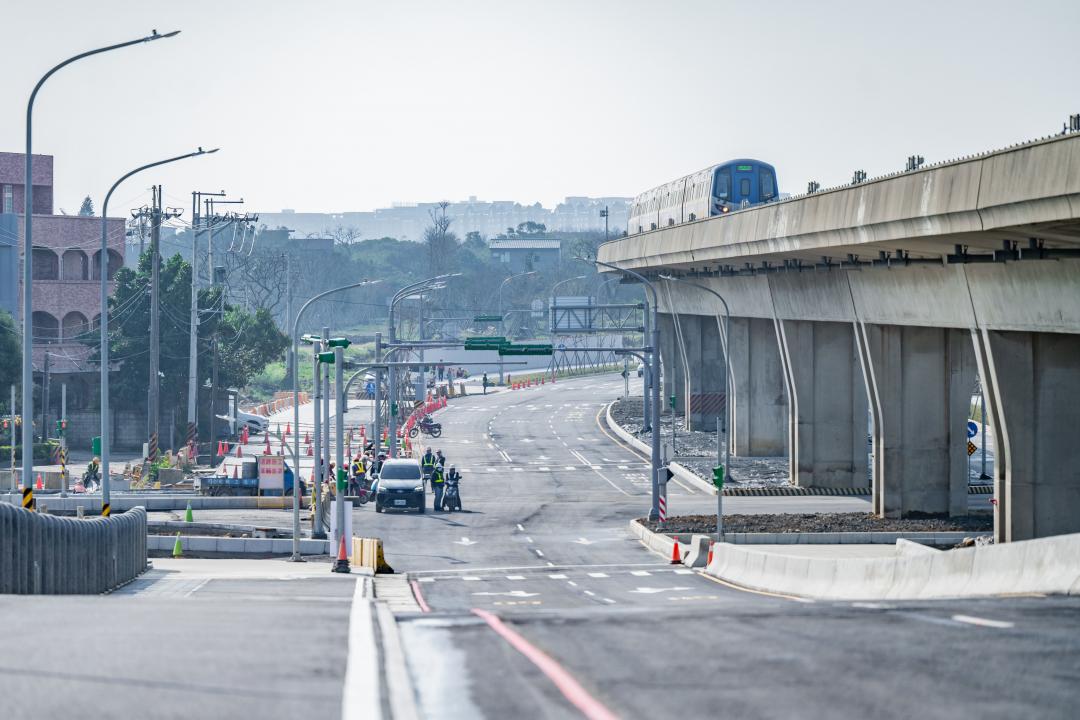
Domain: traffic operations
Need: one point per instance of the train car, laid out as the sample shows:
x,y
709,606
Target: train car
x,y
716,190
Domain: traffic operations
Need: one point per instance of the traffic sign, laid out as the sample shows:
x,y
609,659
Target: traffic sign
x,y
527,349
718,476
488,318
971,448
972,429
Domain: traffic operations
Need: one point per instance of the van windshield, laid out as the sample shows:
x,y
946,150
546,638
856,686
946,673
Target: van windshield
x,y
403,471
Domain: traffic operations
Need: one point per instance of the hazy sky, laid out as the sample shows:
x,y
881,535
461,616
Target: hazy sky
x,y
350,105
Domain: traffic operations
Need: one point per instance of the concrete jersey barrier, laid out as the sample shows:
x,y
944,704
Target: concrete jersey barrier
x,y
49,555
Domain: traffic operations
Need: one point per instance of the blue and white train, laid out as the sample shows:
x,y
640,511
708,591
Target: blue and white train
x,y
715,190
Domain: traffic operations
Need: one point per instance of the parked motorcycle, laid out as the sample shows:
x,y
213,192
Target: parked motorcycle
x,y
426,426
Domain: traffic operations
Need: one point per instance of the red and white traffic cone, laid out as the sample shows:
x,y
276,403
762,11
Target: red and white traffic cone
x,y
288,429
310,451
267,451
239,450
708,561
675,557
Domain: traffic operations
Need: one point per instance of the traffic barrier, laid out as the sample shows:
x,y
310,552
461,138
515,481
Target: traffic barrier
x,y
368,552
50,555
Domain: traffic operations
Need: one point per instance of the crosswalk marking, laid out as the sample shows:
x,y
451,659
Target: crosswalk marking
x,y
598,575
640,573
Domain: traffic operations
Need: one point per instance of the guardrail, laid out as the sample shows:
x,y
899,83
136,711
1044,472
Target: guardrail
x,y
50,555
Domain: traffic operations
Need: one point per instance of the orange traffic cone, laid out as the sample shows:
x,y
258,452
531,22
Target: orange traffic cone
x,y
267,451
342,564
675,559
239,450
38,484
541,381
310,451
288,429
307,438
235,476
708,561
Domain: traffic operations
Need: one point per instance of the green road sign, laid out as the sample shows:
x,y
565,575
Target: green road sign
x,y
526,349
393,409
671,400
487,318
326,357
485,343
718,477
341,481
338,342
95,446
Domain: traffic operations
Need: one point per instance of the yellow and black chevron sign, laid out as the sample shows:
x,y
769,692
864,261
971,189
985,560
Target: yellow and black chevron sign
x,y
28,498
105,510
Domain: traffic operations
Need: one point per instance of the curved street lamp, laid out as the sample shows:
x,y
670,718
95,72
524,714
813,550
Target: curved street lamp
x,y
103,324
499,295
28,250
725,332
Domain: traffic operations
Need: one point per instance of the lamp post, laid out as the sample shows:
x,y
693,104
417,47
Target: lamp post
x,y
391,426
725,333
499,295
104,324
296,409
28,251
654,373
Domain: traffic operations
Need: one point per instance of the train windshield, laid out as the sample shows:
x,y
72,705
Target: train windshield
x,y
767,188
722,184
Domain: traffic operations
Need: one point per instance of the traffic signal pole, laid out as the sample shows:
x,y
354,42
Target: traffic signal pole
x,y
316,470
339,455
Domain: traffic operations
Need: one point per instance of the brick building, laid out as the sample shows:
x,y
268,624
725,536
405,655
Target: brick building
x,y
66,275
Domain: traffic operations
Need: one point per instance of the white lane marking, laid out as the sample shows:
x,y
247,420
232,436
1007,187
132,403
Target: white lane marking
x,y
517,469
609,601
491,469
543,469
470,578
515,577
621,467
550,564
539,552
528,539
598,575
571,582
570,467
640,573
983,622
589,592
557,576
519,527
465,541
360,698
582,541
653,591
425,579
684,571
512,593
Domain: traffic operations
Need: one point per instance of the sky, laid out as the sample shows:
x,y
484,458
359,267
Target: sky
x,y
330,106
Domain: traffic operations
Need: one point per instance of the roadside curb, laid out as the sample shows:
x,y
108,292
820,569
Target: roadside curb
x,y
237,546
678,470
932,539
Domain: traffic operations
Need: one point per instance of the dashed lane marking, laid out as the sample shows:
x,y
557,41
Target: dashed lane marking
x,y
983,622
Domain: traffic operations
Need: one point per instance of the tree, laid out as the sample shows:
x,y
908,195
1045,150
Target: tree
x,y
10,351
531,228
442,245
87,207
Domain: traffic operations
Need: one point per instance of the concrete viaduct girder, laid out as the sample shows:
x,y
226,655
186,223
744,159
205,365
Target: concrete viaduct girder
x,y
897,347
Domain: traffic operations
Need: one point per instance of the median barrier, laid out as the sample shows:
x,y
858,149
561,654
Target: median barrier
x,y
48,555
368,553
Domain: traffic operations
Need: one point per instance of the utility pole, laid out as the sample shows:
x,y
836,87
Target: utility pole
x,y
45,401
317,468
324,373
192,438
604,214
376,424
63,441
153,407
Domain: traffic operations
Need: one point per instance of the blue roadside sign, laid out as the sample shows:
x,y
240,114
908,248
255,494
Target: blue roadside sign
x,y
972,429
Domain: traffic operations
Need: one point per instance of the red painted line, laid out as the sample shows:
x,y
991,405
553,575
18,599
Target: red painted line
x,y
589,706
419,596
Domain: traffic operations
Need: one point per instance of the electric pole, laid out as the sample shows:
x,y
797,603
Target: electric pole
x,y
192,438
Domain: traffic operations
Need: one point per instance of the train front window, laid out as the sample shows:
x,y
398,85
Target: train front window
x,y
767,188
722,185
744,188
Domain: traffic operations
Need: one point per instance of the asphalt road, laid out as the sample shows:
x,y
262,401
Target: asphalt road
x,y
535,603
543,545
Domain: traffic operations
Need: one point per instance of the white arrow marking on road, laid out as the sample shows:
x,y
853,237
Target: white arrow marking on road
x,y
652,591
465,541
583,541
512,593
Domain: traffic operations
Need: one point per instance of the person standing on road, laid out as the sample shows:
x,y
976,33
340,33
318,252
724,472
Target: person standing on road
x,y
355,474
485,381
427,463
437,486
440,459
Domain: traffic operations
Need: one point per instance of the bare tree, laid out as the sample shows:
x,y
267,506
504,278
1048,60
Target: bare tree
x,y
442,245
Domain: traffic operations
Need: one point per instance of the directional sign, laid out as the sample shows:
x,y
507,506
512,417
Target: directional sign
x,y
528,349
487,318
972,429
971,448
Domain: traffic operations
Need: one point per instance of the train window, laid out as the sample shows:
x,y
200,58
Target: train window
x,y
744,187
723,183
767,188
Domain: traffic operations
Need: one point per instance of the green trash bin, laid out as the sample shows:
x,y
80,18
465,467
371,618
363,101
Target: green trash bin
x,y
95,446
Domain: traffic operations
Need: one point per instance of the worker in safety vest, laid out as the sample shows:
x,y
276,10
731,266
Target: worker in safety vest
x,y
356,475
427,463
437,485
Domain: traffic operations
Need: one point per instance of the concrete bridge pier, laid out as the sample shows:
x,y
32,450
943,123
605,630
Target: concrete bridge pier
x,y
758,405
1033,399
827,408
919,382
705,354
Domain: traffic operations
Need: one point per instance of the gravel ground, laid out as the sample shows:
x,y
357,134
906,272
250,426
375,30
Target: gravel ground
x,y
696,450
824,522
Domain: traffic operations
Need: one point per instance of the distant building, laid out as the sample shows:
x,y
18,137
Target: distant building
x,y
521,254
408,221
67,265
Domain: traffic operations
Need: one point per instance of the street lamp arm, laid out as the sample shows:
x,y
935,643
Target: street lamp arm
x,y
200,151
631,273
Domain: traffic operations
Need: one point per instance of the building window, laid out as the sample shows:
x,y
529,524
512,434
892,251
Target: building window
x,y
9,199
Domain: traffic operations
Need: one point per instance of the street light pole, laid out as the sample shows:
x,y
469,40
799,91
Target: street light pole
x,y
725,332
296,409
104,323
499,294
654,371
28,255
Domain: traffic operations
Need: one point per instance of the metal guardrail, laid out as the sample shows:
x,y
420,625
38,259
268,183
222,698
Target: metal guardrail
x,y
51,555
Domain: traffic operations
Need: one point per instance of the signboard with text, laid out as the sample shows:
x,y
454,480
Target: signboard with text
x,y
271,472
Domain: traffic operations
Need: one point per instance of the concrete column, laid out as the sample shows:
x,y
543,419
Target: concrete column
x,y
919,381
1033,399
708,397
670,358
827,410
759,408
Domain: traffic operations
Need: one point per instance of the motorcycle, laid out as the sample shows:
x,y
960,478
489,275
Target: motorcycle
x,y
451,499
426,426
364,491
